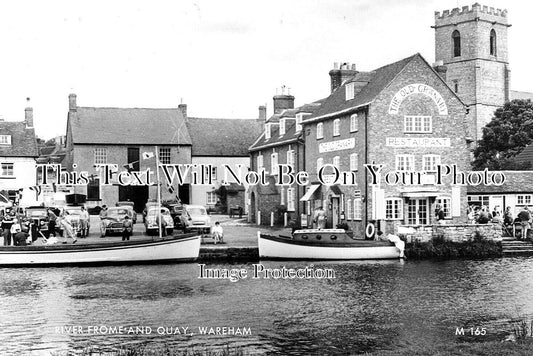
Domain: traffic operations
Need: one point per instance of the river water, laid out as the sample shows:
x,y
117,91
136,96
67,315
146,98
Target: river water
x,y
369,306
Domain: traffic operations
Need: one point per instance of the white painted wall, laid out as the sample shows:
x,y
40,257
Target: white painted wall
x,y
23,171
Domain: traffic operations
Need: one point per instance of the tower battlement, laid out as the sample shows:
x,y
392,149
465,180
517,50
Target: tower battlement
x,y
476,11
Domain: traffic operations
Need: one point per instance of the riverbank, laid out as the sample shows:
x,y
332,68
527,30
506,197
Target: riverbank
x,y
441,248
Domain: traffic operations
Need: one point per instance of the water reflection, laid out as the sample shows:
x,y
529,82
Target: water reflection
x,y
368,306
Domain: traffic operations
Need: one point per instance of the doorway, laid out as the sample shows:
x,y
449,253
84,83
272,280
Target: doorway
x,y
418,211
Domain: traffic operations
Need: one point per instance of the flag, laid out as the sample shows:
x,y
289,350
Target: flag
x,y
37,189
128,166
170,188
147,155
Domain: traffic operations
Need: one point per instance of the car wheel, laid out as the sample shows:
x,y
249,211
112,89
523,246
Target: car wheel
x,y
169,231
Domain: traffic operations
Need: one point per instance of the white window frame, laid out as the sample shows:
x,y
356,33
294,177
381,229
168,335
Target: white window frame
x,y
290,199
164,155
337,162
7,169
336,127
282,196
349,210
357,209
417,124
211,198
274,163
354,123
430,162
446,203
260,163
393,209
320,130
282,126
290,158
354,161
319,164
100,155
267,131
523,199
5,139
350,91
299,119
405,162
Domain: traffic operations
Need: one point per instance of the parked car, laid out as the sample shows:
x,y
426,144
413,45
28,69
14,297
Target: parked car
x,y
114,221
38,216
195,218
175,211
148,206
150,222
128,205
73,213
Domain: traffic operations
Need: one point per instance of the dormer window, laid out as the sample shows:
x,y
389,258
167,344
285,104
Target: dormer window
x,y
299,118
267,131
5,139
350,93
282,123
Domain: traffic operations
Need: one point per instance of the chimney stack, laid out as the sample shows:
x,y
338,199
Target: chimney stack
x,y
183,109
340,73
283,101
262,113
72,105
28,114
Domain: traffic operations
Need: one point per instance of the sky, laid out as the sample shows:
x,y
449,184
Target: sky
x,y
221,58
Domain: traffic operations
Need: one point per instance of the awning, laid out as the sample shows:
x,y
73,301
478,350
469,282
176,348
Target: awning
x,y
336,190
307,196
425,194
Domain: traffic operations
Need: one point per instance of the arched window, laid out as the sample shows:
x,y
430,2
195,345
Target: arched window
x,y
492,42
456,38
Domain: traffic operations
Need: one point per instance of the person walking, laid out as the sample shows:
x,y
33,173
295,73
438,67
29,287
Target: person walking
x,y
127,228
68,231
84,222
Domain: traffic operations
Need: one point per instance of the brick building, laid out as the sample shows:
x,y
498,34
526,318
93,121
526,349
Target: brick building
x,y
280,143
120,136
403,116
472,53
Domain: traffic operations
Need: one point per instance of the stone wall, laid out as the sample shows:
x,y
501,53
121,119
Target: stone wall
x,y
455,232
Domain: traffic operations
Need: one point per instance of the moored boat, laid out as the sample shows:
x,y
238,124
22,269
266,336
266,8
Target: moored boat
x,y
324,244
181,248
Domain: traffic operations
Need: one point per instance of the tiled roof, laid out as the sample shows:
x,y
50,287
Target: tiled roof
x,y
23,141
51,154
222,137
521,95
377,81
137,126
290,126
525,157
515,182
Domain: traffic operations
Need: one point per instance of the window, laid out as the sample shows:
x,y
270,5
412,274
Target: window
x,y
446,204
393,208
478,200
5,139
274,163
337,162
319,130
260,162
350,93
354,124
417,124
290,199
282,125
492,42
6,170
336,127
267,131
405,162
290,158
164,155
93,189
523,200
349,210
299,118
456,38
213,174
456,86
100,155
430,162
357,213
319,164
282,196
354,161
211,198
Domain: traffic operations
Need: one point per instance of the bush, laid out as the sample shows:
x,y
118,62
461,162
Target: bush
x,y
439,248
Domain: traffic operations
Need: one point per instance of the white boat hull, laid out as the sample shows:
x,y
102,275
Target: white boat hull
x,y
278,249
176,249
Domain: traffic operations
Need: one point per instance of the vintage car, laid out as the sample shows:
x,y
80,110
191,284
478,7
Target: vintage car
x,y
195,218
72,214
129,206
148,206
38,217
113,222
175,211
150,222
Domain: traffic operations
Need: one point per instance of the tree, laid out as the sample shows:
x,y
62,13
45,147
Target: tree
x,y
509,132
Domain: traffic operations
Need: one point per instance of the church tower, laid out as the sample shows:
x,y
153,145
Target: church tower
x,y
471,54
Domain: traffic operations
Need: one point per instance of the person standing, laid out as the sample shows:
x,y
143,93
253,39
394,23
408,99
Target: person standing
x,y
127,228
67,229
320,218
439,214
84,222
218,233
52,221
524,216
7,223
20,238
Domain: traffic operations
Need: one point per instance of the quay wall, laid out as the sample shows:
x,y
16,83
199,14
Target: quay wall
x,y
455,232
